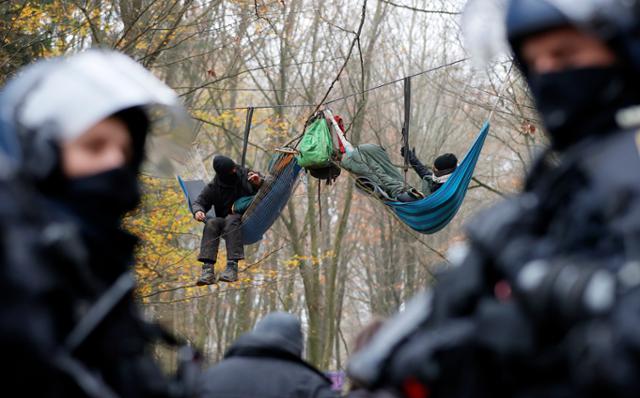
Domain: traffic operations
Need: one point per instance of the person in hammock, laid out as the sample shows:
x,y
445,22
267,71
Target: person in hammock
x,y
231,185
377,174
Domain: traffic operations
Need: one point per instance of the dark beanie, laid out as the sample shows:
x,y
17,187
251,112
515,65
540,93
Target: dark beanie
x,y
446,162
223,165
283,328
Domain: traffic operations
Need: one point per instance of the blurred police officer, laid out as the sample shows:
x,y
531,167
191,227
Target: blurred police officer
x,y
72,142
546,303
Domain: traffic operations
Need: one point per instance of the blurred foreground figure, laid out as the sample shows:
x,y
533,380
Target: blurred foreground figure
x,y
267,362
363,338
547,301
72,136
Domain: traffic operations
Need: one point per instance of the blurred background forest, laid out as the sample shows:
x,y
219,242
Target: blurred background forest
x,y
281,56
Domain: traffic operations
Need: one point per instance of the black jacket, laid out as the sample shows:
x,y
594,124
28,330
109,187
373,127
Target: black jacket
x,y
50,277
221,196
266,365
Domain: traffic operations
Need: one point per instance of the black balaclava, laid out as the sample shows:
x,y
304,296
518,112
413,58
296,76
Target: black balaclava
x,y
100,200
579,103
224,168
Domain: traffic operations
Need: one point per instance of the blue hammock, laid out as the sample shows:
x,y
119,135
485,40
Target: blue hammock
x,y
272,197
268,202
431,214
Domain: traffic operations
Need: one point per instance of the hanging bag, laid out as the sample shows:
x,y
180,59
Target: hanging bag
x,y
316,147
317,150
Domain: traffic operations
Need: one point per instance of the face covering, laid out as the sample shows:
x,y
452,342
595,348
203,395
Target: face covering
x,y
223,167
102,199
579,103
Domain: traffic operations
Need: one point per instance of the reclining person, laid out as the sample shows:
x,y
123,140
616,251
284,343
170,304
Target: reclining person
x,y
231,183
376,172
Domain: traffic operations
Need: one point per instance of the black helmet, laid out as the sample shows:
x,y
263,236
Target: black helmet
x,y
528,17
614,21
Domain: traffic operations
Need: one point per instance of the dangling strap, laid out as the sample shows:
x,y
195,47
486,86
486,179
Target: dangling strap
x,y
247,130
405,127
319,208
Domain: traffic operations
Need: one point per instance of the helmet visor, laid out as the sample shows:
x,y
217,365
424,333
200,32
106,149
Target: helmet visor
x,y
62,98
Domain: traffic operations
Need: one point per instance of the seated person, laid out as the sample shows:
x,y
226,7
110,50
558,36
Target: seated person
x,y
231,183
375,170
432,179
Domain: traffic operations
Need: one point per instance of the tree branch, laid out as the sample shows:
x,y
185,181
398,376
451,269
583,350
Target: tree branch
x,y
488,187
420,9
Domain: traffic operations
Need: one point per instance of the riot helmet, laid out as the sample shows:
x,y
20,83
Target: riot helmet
x,y
580,61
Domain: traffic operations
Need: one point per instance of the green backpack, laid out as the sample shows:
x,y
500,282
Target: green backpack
x,y
316,147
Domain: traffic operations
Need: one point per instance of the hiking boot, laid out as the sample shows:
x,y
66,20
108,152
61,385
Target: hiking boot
x,y
208,276
231,273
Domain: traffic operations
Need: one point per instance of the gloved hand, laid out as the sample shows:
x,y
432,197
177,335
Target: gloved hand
x,y
411,154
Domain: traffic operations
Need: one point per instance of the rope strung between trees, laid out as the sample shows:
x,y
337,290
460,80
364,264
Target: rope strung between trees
x,y
278,106
298,137
252,108
428,215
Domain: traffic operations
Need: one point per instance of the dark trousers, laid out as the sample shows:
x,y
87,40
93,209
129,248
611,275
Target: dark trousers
x,y
228,228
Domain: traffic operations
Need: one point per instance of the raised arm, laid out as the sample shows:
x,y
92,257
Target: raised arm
x,y
420,169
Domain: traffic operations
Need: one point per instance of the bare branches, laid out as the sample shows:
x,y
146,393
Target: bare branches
x,y
487,187
442,12
95,32
346,61
192,285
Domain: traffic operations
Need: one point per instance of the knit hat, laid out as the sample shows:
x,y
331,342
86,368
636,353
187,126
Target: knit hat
x,y
446,162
